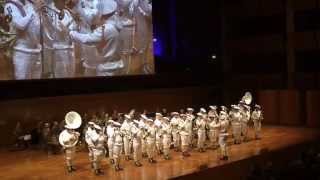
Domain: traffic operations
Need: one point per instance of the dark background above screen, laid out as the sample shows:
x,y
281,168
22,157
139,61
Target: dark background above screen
x,y
188,35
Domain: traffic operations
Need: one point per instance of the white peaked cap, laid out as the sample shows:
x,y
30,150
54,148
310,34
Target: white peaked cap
x,y
158,114
68,126
127,116
91,123
175,113
190,109
97,127
213,107
203,110
116,124
223,112
108,7
143,116
236,107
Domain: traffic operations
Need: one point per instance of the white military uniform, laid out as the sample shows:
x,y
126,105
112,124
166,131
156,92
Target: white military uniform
x,y
184,133
88,14
106,40
166,129
142,126
111,138
69,136
201,126
63,56
151,138
257,117
143,38
126,10
159,133
235,117
244,122
223,136
214,127
175,131
117,148
26,51
189,126
98,149
126,131
90,132
137,136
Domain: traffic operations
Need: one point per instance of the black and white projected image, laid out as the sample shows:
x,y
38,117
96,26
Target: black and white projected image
x,y
75,38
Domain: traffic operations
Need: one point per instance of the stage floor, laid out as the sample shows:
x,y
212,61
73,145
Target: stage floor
x,y
37,165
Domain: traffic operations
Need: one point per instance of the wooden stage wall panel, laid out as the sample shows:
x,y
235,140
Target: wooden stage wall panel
x,y
312,105
31,111
290,107
269,101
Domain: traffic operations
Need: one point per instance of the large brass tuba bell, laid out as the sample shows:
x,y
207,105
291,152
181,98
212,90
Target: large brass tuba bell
x,y
247,98
73,120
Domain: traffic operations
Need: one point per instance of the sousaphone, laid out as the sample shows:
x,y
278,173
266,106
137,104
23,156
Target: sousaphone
x,y
247,98
73,121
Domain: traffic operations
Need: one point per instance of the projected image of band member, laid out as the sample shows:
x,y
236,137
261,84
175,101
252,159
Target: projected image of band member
x,y
79,38
26,50
143,42
106,39
58,43
88,13
136,35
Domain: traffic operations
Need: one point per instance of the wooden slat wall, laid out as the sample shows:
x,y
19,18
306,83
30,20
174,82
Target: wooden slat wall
x,y
31,111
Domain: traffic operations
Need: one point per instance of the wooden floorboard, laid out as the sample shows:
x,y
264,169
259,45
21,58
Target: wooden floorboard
x,y
35,164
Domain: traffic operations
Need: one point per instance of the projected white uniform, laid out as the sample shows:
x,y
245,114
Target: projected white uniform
x,y
63,57
143,19
106,40
126,9
26,51
89,13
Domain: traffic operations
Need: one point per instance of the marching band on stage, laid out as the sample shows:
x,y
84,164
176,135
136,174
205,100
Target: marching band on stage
x,y
140,136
